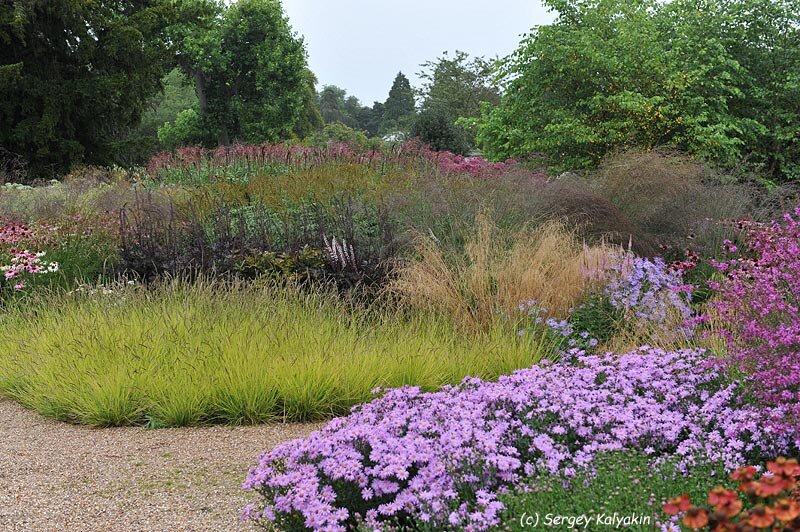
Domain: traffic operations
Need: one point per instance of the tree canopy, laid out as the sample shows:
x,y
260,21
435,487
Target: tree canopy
x,y
399,108
250,71
453,91
719,79
74,76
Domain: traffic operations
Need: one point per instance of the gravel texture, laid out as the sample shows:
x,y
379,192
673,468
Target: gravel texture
x,y
57,476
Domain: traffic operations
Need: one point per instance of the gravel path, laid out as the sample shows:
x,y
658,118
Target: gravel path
x,y
57,476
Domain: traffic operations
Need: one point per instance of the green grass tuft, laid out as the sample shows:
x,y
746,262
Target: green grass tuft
x,y
189,354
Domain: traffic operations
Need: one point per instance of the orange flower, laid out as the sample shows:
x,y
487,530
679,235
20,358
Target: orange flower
x,y
744,473
720,495
696,517
771,486
724,527
730,508
677,504
748,487
786,510
760,517
782,466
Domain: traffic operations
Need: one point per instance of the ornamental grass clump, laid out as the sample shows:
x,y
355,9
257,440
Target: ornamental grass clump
x,y
440,460
759,307
498,271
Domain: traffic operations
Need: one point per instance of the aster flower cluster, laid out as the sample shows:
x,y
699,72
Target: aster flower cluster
x,y
442,458
759,305
647,289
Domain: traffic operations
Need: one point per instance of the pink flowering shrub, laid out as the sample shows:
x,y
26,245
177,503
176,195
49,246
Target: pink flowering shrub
x,y
760,309
442,458
450,163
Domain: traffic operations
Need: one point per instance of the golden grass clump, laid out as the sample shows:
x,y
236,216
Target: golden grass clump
x,y
499,271
188,353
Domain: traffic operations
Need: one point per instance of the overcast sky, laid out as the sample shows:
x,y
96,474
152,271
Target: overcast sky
x,y
360,45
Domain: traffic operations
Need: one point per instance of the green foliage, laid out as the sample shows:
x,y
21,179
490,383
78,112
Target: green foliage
x,y
185,130
187,354
249,69
454,88
598,317
300,266
336,106
178,95
399,108
310,119
76,76
625,484
435,126
718,79
339,132
332,105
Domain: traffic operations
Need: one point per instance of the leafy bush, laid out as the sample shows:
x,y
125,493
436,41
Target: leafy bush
x,y
437,128
440,459
339,133
760,316
186,130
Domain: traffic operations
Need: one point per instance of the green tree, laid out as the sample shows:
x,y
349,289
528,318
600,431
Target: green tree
x,y
75,76
399,108
453,92
435,126
337,106
716,78
249,69
177,96
332,105
310,120
371,121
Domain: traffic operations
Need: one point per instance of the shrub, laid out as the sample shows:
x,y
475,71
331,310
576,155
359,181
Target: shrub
x,y
161,238
440,459
759,307
187,129
498,272
437,128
